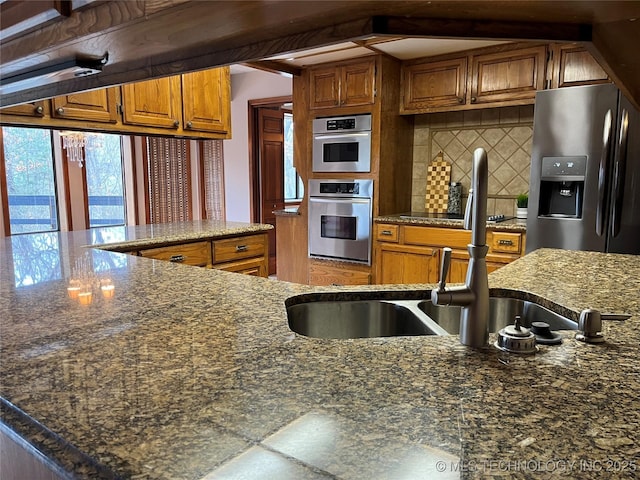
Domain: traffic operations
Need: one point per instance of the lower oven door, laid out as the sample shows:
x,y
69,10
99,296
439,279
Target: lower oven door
x,y
340,228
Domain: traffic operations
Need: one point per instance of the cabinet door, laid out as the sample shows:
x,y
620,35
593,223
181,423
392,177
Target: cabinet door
x,y
153,103
93,106
357,84
31,109
324,88
458,266
434,85
206,100
407,264
574,65
508,76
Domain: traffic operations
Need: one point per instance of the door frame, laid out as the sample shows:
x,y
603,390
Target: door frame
x,y
254,147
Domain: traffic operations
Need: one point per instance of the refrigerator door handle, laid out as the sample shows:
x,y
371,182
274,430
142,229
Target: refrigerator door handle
x,y
619,172
602,211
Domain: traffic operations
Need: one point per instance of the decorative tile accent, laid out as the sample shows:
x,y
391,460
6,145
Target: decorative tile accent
x,y
506,134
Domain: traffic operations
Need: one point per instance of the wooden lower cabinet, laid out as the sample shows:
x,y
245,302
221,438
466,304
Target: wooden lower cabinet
x,y
246,254
412,254
407,264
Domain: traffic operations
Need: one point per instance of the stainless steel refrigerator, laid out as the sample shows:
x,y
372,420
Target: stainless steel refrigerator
x,y
585,171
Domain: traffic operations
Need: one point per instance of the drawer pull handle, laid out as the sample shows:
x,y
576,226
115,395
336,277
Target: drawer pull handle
x,y
241,248
177,258
505,242
386,232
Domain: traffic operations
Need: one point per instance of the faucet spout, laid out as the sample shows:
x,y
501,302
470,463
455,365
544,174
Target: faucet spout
x,y
473,297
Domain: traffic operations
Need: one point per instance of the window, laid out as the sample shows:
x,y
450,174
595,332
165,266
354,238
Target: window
x,y
30,180
105,188
292,181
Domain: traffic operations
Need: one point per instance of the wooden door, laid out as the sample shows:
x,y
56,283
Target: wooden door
x,y
153,103
271,174
508,76
324,87
206,100
93,106
428,85
357,83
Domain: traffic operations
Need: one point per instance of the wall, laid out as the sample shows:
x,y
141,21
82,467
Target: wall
x,y
244,87
505,133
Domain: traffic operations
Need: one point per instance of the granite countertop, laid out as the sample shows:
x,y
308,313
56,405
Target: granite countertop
x,y
153,235
444,220
188,373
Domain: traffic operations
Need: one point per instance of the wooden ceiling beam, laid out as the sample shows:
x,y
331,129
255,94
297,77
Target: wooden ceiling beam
x,y
481,29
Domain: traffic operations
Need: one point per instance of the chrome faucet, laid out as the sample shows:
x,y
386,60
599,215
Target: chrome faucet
x,y
473,297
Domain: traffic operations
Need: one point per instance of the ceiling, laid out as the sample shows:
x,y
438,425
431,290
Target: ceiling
x,y
141,39
397,47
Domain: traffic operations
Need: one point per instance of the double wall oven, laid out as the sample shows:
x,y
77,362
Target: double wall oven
x,y
340,217
340,211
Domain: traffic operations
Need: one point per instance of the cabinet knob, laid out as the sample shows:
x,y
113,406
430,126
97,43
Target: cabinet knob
x,y
189,124
460,100
473,99
60,111
176,123
39,110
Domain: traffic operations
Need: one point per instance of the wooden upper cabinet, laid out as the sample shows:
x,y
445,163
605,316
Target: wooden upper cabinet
x,y
153,103
434,84
342,85
357,83
206,100
324,87
508,76
573,65
31,109
93,106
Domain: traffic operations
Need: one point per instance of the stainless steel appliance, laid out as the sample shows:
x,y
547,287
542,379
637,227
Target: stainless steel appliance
x,y
340,217
342,144
585,171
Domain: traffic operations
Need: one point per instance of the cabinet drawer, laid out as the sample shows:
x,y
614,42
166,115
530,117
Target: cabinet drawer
x,y
387,233
506,242
238,247
450,237
196,253
250,266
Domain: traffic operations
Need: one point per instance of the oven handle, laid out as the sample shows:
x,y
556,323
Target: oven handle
x,y
363,200
341,135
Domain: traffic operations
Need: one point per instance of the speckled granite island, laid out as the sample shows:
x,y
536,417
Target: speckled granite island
x,y
189,373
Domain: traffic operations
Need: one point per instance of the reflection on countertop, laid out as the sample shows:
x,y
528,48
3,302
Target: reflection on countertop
x,y
193,373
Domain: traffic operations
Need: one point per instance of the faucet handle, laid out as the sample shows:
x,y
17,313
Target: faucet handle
x,y
468,211
444,270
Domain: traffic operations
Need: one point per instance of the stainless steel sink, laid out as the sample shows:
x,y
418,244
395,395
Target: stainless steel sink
x,y
502,312
393,318
355,319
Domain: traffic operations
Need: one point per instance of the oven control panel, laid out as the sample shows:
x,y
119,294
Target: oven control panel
x,y
337,188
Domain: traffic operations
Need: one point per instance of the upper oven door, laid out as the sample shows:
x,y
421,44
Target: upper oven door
x,y
342,152
340,228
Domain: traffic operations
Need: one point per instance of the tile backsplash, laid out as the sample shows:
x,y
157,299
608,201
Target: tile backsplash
x,y
505,133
